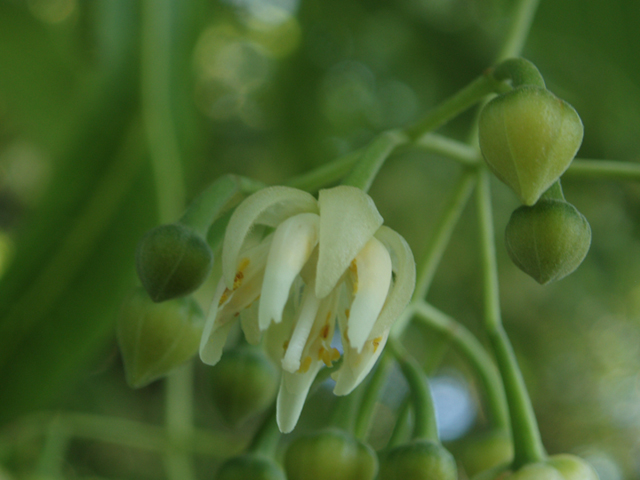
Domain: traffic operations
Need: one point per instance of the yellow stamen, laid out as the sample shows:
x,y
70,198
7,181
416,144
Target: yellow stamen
x,y
347,312
354,271
285,345
376,343
224,297
335,354
244,263
306,363
324,333
237,281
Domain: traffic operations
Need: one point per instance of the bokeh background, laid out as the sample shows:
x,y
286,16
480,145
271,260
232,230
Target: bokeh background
x,y
271,89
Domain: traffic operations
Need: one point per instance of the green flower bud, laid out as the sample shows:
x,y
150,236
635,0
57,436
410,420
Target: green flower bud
x,y
557,467
330,455
528,137
486,450
155,338
244,383
418,460
250,466
172,261
549,240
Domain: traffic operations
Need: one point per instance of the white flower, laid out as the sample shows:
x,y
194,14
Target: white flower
x,y
310,262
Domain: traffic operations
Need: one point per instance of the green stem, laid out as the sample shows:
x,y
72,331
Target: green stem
x,y
527,443
179,422
449,148
603,169
522,19
425,416
370,397
267,437
458,103
54,450
520,72
344,410
373,157
554,192
444,229
156,106
472,350
401,429
221,195
326,174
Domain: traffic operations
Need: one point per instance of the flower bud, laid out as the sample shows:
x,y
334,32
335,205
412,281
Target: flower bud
x,y
155,338
549,240
250,467
557,467
172,261
418,460
330,455
573,468
244,383
486,450
528,138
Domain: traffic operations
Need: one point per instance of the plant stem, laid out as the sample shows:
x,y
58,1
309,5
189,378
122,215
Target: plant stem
x,y
343,414
266,438
425,416
54,449
458,103
449,148
523,15
370,397
156,107
326,174
603,169
442,236
373,157
179,422
472,350
401,428
527,443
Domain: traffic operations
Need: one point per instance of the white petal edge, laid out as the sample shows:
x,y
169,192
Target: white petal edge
x,y
301,331
404,267
294,388
348,219
271,205
293,242
355,366
373,265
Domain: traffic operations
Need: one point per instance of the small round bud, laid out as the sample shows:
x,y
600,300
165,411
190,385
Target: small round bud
x,y
250,467
572,467
172,261
330,455
549,240
557,467
528,138
486,450
418,460
244,383
155,338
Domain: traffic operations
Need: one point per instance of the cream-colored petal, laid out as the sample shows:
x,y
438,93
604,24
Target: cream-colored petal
x,y
269,206
355,366
404,268
249,324
372,269
294,389
301,331
348,219
293,242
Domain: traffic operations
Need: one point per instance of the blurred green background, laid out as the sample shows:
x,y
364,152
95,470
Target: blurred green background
x,y
271,89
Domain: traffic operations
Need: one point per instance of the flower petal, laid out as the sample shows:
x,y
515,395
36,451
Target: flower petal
x,y
301,331
348,219
404,268
293,242
269,206
294,388
356,365
373,276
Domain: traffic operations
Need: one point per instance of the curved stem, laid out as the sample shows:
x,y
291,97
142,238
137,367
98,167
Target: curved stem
x,y
343,415
425,419
326,174
449,148
527,443
370,397
401,428
524,13
440,239
603,169
520,71
179,422
266,438
554,192
373,157
472,350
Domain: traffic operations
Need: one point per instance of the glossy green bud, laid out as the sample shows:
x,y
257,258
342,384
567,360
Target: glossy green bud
x,y
528,138
549,240
557,467
244,383
155,338
172,261
330,455
485,450
418,460
250,466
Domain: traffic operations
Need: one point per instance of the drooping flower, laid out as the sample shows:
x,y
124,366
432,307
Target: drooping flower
x,y
293,265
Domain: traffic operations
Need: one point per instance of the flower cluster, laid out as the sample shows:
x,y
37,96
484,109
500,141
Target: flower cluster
x,y
293,267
